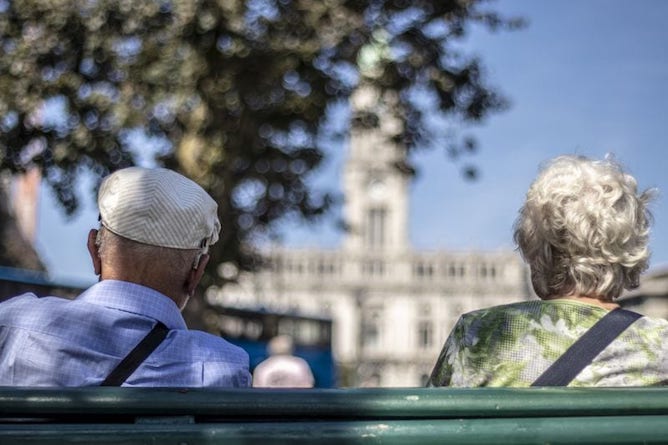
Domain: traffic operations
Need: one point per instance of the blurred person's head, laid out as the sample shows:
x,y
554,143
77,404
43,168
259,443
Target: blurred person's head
x,y
156,227
584,229
281,345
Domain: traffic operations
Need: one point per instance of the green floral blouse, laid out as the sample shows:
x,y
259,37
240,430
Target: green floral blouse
x,y
512,345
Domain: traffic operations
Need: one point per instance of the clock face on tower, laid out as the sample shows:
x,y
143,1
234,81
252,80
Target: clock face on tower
x,y
376,189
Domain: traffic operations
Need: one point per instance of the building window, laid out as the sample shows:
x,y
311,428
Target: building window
x,y
373,268
452,270
487,271
276,265
325,267
425,334
423,270
456,270
371,327
374,235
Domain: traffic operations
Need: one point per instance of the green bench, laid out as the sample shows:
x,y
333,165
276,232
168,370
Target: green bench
x,y
341,416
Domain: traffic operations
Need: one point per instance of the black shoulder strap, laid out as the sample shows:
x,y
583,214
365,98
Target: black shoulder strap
x,y
586,348
135,358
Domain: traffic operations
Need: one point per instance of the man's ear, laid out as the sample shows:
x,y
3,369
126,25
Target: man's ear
x,y
195,274
94,251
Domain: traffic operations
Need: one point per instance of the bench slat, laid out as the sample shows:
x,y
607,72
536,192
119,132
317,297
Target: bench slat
x,y
418,403
570,430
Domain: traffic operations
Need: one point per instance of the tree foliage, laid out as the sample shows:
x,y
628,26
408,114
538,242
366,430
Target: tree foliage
x,y
235,94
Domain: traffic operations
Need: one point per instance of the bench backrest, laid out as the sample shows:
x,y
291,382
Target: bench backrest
x,y
341,416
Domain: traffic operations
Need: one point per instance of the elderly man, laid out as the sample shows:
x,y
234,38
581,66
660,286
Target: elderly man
x,y
149,252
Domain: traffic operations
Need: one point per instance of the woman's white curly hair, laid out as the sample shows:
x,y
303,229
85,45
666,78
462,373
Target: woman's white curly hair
x,y
584,229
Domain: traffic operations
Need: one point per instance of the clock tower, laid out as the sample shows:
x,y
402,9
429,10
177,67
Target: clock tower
x,y
391,306
375,189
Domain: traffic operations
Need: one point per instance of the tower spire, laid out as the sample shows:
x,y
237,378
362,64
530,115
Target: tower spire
x,y
375,190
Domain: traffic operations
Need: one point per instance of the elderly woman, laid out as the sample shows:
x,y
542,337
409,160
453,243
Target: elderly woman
x,y
583,230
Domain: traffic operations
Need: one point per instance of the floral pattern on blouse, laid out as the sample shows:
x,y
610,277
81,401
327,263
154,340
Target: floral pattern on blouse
x,y
512,345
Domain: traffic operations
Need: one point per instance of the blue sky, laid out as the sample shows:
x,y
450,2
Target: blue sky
x,y
587,77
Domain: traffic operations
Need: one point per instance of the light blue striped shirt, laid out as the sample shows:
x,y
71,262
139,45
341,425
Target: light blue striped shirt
x,y
52,341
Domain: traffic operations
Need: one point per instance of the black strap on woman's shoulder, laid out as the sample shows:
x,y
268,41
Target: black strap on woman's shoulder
x,y
135,358
586,348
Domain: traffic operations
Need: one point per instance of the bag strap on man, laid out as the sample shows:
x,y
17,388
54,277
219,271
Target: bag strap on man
x,y
136,357
586,348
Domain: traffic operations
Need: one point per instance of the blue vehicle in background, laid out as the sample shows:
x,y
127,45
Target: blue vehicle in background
x,y
252,329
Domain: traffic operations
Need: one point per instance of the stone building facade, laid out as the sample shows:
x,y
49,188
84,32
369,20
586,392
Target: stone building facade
x,y
651,297
392,306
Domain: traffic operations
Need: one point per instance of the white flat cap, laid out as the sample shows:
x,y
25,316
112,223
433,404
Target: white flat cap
x,y
158,207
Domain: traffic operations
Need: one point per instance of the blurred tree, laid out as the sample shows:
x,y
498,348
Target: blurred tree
x,y
235,94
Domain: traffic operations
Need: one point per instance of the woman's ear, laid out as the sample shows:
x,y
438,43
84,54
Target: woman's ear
x,y
94,251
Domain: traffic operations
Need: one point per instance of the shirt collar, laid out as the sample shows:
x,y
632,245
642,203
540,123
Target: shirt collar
x,y
134,298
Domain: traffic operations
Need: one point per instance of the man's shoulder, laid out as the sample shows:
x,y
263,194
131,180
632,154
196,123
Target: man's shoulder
x,y
29,304
207,346
18,299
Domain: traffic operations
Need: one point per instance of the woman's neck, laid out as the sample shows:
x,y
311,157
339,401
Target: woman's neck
x,y
589,300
